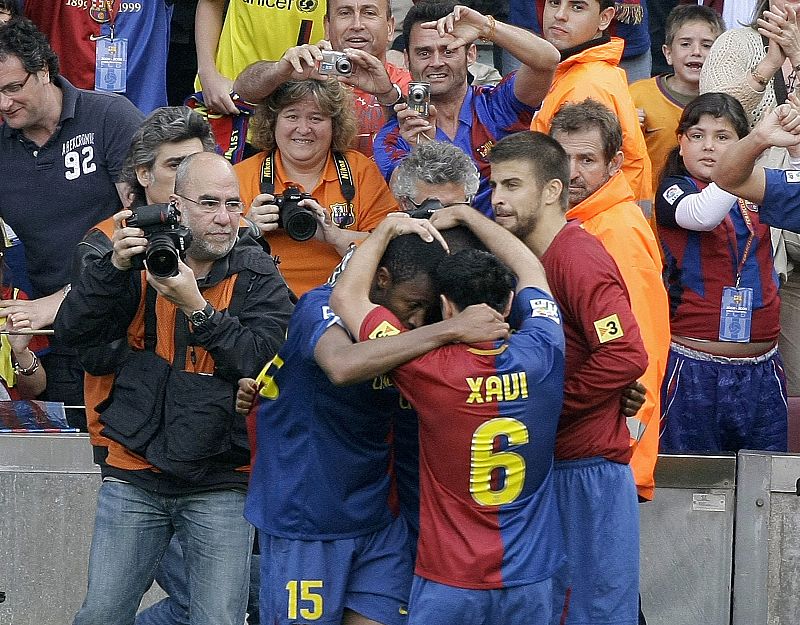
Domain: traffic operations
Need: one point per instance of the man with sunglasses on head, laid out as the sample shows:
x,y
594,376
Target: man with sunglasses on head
x,y
192,335
61,154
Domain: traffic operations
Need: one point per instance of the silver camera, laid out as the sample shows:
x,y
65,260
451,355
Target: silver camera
x,y
335,64
419,97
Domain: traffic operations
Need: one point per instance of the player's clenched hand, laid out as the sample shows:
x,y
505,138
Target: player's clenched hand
x,y
245,395
632,398
397,224
479,323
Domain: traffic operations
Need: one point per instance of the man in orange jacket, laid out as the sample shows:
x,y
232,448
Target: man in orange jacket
x,y
589,69
601,199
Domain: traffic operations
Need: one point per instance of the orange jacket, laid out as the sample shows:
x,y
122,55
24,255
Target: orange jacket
x,y
611,215
594,73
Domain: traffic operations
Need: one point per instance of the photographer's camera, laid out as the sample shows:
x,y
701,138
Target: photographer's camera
x,y
419,97
299,222
167,239
335,64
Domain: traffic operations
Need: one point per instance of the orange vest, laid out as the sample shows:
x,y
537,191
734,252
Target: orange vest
x,y
611,215
594,73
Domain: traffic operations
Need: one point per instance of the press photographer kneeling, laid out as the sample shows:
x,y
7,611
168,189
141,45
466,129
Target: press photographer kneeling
x,y
180,459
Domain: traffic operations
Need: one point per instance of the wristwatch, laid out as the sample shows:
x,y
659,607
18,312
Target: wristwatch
x,y
201,317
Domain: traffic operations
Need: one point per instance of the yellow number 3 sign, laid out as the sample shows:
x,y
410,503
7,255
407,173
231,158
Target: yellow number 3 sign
x,y
608,328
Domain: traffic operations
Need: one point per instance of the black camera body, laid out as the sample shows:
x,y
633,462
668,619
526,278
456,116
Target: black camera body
x,y
335,64
167,239
419,97
299,222
426,209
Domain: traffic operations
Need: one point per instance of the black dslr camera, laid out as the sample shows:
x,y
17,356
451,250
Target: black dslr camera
x,y
167,239
299,222
426,209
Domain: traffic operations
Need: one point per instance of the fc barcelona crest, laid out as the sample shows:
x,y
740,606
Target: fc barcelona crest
x,y
343,214
100,10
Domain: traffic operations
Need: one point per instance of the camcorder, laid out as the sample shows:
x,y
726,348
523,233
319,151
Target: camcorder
x,y
426,209
335,64
419,97
299,222
167,239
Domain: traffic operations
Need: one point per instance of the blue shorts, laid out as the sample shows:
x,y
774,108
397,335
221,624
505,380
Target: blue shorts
x,y
710,403
433,603
600,515
315,581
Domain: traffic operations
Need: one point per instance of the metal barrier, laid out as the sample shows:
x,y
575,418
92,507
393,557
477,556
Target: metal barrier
x,y
767,579
687,541
48,497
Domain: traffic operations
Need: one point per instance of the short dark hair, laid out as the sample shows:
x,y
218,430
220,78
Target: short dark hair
x,y
607,4
168,124
685,14
408,256
588,115
717,105
20,38
546,157
425,11
10,6
475,277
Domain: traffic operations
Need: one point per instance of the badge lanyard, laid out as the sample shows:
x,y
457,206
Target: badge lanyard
x,y
736,308
111,55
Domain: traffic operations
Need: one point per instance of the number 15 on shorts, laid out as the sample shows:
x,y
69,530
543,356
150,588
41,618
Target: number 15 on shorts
x,y
303,600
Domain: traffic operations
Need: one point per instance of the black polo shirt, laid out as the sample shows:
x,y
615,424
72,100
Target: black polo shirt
x,y
52,195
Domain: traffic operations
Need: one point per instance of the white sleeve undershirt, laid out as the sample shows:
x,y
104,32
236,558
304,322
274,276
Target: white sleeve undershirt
x,y
704,211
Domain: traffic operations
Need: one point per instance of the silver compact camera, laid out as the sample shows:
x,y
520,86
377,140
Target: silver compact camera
x,y
419,97
335,64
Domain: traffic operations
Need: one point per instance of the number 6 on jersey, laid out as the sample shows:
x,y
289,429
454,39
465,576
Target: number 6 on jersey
x,y
486,464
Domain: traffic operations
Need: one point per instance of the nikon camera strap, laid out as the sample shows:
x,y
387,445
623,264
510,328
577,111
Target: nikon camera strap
x,y
343,171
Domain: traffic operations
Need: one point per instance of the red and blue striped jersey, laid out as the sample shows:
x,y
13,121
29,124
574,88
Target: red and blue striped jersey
x,y
699,265
487,423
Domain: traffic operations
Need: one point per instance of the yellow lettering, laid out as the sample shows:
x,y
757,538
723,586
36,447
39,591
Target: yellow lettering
x,y
511,386
475,385
494,388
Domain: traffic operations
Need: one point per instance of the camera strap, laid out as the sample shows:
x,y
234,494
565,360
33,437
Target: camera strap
x,y
343,171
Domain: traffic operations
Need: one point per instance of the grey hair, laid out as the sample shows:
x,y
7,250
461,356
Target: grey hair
x,y
168,124
435,162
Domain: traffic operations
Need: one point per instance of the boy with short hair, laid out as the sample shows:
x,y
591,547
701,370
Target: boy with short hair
x,y
690,31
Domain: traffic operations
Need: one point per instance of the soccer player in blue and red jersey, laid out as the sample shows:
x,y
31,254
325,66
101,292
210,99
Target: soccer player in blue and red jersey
x,y
332,552
490,538
605,353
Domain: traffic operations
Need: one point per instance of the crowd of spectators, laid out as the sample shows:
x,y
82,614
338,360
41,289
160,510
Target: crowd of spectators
x,y
451,415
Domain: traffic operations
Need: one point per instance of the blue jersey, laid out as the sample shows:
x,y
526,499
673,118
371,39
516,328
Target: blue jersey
x,y
487,115
322,457
488,415
781,205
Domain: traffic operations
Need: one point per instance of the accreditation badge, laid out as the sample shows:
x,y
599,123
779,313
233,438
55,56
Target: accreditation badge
x,y
735,314
111,65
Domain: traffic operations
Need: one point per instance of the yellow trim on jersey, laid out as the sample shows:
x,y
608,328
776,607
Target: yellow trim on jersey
x,y
488,352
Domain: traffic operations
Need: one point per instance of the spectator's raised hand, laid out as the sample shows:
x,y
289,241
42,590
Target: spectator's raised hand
x,y
782,28
301,62
415,128
369,74
464,24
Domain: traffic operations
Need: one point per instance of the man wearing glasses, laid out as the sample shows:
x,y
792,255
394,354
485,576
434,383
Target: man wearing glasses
x,y
61,153
179,458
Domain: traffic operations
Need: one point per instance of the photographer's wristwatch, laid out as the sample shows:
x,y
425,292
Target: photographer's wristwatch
x,y
201,317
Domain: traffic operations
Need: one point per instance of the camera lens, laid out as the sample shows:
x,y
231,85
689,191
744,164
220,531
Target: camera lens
x,y
162,256
301,225
343,66
418,95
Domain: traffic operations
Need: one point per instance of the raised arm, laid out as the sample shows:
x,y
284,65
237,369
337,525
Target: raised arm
x,y
539,58
259,80
500,242
737,172
209,19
